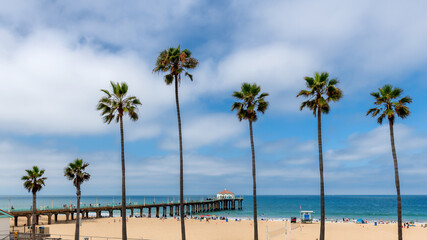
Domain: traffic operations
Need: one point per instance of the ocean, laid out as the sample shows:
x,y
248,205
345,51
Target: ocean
x,y
414,208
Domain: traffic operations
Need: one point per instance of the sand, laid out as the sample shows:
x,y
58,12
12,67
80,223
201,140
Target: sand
x,y
169,229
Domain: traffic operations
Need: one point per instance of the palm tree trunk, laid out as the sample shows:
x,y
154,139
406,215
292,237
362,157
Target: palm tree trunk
x,y
322,185
396,178
124,233
77,235
33,223
181,163
254,182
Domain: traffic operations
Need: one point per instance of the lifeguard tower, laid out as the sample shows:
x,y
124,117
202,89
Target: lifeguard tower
x,y
306,216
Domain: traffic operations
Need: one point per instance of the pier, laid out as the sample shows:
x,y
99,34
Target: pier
x,y
168,209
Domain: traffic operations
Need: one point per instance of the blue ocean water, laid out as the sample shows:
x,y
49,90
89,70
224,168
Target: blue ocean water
x,y
277,206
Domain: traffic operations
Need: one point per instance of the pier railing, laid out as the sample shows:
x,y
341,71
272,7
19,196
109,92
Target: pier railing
x,y
130,204
163,209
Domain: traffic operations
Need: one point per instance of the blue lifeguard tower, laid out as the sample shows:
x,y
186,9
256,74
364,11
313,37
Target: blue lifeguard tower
x,y
306,217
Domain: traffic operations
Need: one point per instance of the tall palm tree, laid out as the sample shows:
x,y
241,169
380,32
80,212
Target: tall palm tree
x,y
320,91
389,106
75,171
114,106
34,182
249,103
173,61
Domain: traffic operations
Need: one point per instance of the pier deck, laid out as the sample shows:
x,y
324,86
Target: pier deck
x,y
168,208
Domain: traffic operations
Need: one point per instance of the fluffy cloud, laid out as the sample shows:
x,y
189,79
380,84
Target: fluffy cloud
x,y
52,84
377,143
209,129
159,174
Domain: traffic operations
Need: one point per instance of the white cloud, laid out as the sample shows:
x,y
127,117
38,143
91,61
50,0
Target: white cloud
x,y
377,143
209,129
160,172
52,85
363,42
278,68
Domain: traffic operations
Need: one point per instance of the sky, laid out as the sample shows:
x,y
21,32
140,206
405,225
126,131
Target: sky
x,y
55,56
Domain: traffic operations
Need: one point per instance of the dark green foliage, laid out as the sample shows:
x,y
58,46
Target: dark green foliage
x,y
34,180
387,104
174,61
116,104
320,91
249,102
75,171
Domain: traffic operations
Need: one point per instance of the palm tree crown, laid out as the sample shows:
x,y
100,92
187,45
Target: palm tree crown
x,y
387,107
116,104
34,180
249,102
175,61
75,171
321,90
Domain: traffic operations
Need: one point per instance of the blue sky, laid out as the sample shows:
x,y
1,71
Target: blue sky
x,y
56,55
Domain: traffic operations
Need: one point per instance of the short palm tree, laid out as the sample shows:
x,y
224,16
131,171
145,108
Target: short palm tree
x,y
75,171
34,182
115,105
173,61
250,101
389,106
320,91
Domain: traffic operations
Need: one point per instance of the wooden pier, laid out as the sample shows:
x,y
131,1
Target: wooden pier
x,y
169,209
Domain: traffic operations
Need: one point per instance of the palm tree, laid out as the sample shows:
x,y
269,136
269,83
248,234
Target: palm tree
x,y
320,91
249,103
34,182
388,107
75,171
173,61
114,106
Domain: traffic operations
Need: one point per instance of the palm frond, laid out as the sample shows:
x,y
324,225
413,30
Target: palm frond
x,y
395,93
114,105
174,61
320,91
405,100
390,107
34,180
238,95
309,81
75,171
249,102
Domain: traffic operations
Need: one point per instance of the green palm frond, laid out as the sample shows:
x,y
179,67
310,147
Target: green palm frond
x,y
309,82
249,102
320,91
75,171
174,61
116,104
34,180
390,107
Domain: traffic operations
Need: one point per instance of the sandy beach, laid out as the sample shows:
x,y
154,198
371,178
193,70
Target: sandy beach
x,y
169,229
